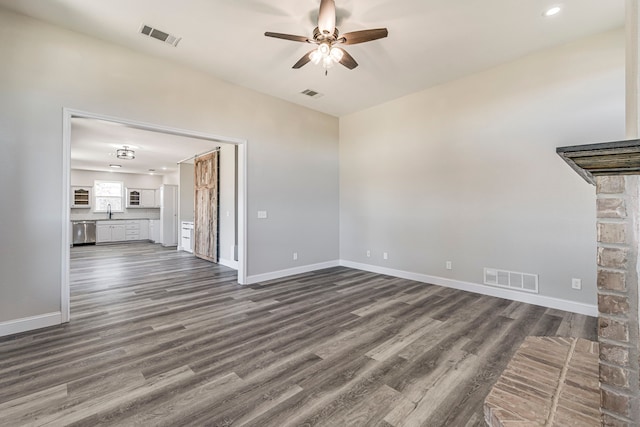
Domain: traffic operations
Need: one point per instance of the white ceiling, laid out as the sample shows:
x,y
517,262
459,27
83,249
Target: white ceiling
x,y
94,144
430,41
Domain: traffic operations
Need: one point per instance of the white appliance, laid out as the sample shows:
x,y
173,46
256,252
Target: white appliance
x,y
169,215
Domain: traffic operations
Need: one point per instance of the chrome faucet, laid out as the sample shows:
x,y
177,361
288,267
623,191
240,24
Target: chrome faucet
x,y
109,210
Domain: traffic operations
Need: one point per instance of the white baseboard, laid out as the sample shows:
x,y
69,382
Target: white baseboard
x,y
291,271
228,263
544,301
17,326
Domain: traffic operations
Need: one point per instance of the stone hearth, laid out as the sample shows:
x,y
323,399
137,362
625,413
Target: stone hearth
x,y
550,381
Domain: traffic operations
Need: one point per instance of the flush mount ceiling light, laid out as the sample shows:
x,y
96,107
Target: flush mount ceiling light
x,y
552,11
125,154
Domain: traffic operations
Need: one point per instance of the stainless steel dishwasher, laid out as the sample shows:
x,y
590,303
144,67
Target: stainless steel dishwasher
x,y
84,232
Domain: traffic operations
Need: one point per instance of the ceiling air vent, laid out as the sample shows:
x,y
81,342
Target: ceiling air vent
x,y
160,35
311,93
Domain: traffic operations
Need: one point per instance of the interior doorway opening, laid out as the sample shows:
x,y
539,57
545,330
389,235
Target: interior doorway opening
x,y
236,145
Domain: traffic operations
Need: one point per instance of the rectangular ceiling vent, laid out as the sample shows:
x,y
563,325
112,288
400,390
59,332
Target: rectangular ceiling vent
x,y
512,280
160,35
311,93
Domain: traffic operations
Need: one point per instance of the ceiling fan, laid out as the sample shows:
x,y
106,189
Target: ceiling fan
x,y
328,39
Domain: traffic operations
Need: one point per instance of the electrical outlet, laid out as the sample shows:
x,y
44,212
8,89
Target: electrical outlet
x,y
368,254
295,256
262,214
448,265
385,255
576,283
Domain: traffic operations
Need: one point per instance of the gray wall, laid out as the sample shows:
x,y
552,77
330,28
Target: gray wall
x,y
467,172
186,191
292,156
228,205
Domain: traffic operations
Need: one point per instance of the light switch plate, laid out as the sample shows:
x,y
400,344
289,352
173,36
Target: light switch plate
x,y
262,214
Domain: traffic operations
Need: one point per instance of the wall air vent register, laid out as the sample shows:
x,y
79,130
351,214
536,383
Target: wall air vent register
x,y
511,279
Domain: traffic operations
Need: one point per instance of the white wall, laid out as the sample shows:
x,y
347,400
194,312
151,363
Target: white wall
x,y
467,171
171,178
292,152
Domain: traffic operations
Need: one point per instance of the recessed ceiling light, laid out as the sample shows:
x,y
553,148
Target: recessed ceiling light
x,y
164,168
552,11
115,166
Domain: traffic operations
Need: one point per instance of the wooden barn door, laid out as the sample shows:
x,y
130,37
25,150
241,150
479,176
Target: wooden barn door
x,y
206,209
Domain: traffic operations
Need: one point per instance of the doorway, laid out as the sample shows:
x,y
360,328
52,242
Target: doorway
x,y
241,173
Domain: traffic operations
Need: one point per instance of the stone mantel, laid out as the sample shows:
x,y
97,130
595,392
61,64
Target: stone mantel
x,y
609,158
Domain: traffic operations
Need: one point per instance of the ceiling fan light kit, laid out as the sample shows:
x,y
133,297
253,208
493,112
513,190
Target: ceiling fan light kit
x,y
327,36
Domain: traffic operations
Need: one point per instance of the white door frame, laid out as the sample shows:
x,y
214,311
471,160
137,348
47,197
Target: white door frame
x,y
68,114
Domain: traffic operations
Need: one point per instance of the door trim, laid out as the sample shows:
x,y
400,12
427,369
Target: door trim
x,y
68,114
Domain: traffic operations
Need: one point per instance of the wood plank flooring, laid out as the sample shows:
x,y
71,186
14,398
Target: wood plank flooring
x,y
159,337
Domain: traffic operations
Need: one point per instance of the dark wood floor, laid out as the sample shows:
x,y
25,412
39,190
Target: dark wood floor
x,y
159,337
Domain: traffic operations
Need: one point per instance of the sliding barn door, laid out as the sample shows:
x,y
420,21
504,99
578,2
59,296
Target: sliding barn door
x,y
206,209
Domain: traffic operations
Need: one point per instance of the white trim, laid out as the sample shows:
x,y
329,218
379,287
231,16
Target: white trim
x,y
243,247
291,271
65,308
68,113
228,263
17,326
545,301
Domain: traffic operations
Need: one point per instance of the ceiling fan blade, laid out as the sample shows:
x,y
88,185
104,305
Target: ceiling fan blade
x,y
356,37
347,60
304,60
327,17
291,37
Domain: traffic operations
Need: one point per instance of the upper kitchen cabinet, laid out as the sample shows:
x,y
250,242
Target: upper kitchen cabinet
x,y
80,197
141,198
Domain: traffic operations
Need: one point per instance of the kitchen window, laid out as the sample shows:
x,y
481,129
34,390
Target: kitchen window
x,y
108,193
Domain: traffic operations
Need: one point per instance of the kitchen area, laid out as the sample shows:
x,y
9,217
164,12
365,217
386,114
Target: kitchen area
x,y
145,210
132,185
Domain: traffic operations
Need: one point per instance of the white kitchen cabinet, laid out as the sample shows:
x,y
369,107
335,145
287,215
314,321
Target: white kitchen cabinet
x,y
132,230
80,197
144,229
141,198
147,198
123,230
186,236
137,229
110,231
154,230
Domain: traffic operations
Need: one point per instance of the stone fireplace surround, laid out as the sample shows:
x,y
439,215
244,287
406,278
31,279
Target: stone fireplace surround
x,y
614,168
547,383
535,388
